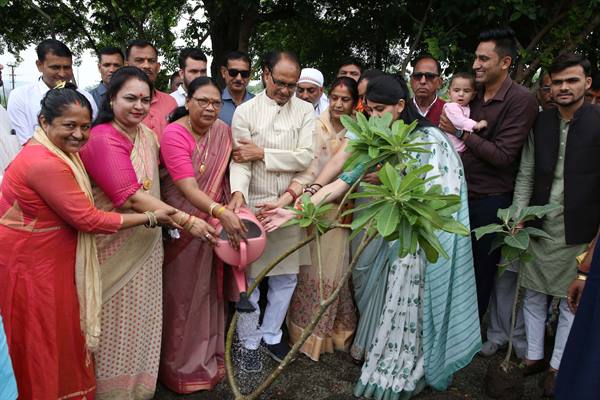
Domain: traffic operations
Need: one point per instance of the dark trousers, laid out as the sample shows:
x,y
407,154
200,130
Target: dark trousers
x,y
483,211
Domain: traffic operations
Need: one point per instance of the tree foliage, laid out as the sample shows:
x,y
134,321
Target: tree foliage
x,y
384,34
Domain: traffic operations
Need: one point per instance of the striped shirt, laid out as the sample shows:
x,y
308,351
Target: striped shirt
x,y
287,135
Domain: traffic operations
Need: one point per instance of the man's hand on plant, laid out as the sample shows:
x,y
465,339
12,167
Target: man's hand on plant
x,y
247,151
574,294
273,219
237,201
372,177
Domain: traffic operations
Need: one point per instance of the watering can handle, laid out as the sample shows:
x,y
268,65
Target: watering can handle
x,y
243,255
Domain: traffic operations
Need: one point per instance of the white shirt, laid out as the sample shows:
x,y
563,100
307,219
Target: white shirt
x,y
321,105
9,145
179,95
24,107
424,113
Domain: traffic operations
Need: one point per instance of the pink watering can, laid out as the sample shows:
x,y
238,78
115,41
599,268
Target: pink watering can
x,y
249,251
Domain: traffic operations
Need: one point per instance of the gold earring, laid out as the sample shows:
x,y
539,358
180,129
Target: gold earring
x,y
110,104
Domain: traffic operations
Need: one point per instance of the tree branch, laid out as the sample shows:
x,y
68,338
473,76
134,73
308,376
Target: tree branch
x,y
416,40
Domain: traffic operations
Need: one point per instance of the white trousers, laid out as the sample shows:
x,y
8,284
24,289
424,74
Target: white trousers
x,y
281,289
535,308
500,313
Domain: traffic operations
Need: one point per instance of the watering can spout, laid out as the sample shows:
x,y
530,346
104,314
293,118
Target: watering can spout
x,y
244,305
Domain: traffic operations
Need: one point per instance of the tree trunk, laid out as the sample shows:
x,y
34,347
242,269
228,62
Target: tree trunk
x,y
230,27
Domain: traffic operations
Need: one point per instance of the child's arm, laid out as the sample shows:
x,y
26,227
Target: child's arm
x,y
455,114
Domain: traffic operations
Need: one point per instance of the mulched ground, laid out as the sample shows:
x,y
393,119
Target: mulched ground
x,y
334,376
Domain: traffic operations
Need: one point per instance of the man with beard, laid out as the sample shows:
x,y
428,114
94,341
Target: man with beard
x,y
143,54
491,158
192,64
310,89
110,59
236,74
559,166
55,64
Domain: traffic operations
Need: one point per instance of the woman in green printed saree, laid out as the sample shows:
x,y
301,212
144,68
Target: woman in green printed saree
x,y
418,321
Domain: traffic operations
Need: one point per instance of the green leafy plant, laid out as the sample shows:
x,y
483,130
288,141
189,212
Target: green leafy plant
x,y
511,236
513,239
311,214
404,209
378,140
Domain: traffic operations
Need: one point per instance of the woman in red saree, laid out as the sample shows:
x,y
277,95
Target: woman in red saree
x,y
49,273
121,157
195,150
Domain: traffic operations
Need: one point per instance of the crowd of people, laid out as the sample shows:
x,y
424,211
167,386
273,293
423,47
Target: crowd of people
x,y
97,301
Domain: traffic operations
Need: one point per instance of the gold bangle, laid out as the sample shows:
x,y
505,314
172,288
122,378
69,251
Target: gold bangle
x,y
219,211
581,277
211,208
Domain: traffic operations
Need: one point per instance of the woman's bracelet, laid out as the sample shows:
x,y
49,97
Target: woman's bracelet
x,y
219,211
212,207
319,186
292,193
152,220
189,223
579,271
581,277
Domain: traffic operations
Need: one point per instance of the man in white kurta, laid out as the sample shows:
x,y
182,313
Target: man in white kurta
x,y
273,135
55,63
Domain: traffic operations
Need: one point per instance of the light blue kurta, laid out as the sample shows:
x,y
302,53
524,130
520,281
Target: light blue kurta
x,y
8,386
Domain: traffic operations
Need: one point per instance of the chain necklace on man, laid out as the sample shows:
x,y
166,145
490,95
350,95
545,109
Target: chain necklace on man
x,y
204,154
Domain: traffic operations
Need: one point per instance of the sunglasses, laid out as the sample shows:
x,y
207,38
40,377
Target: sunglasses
x,y
428,75
234,73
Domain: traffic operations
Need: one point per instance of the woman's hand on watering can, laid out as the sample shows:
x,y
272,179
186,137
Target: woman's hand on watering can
x,y
203,231
273,219
235,228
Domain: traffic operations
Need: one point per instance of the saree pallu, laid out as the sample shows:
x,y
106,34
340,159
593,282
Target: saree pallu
x,y
336,328
193,346
131,263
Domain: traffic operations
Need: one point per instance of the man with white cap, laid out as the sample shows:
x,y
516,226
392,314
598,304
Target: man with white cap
x,y
310,89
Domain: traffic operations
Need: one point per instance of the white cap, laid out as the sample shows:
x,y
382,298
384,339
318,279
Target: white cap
x,y
311,75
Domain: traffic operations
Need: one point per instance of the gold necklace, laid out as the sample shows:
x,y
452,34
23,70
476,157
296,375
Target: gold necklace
x,y
202,167
146,181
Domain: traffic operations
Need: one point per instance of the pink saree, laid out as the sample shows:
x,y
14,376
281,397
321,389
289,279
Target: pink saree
x,y
193,345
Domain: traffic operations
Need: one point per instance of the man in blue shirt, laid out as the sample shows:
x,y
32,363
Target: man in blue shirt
x,y
236,74
110,59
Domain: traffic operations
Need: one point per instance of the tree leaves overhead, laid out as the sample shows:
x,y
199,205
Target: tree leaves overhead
x,y
384,34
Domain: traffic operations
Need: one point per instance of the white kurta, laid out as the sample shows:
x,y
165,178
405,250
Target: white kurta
x,y
287,135
24,106
9,146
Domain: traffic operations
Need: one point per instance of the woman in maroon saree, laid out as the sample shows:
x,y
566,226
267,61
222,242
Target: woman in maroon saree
x,y
195,150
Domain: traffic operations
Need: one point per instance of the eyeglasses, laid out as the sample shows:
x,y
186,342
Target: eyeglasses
x,y
234,73
545,89
282,84
417,76
203,103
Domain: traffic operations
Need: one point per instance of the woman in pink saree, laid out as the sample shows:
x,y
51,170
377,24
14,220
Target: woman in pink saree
x,y
195,149
121,156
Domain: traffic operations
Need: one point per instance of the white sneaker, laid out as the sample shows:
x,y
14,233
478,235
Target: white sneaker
x,y
490,348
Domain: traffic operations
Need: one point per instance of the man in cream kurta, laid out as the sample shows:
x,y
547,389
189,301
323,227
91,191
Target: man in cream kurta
x,y
273,135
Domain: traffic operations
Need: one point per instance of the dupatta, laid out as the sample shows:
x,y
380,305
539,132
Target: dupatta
x,y
87,267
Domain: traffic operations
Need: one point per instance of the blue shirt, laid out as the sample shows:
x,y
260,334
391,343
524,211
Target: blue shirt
x,y
99,93
226,113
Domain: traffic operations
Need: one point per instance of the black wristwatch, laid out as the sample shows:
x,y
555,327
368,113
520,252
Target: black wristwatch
x,y
459,133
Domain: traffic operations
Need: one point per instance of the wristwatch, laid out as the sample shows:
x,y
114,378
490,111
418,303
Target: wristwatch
x,y
459,133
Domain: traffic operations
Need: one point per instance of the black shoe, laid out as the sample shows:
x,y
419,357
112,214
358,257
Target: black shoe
x,y
250,360
277,351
